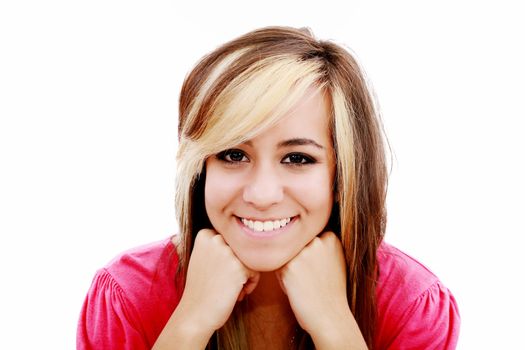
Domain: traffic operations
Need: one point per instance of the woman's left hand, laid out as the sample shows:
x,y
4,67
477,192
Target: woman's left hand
x,y
315,282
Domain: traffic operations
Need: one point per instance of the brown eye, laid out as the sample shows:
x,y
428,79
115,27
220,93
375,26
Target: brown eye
x,y
232,156
298,159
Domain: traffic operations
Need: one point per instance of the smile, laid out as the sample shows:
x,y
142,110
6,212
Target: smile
x,y
265,226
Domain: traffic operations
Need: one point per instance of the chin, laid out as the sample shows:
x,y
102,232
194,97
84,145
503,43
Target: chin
x,y
264,265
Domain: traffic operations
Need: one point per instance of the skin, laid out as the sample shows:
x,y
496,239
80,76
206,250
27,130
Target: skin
x,y
297,276
263,180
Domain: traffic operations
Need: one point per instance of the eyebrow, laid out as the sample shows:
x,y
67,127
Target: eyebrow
x,y
294,142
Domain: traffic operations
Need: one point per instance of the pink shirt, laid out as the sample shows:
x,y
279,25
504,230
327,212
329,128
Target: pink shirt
x,y
132,298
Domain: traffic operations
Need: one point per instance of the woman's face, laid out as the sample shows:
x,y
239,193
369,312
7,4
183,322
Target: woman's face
x,y
272,195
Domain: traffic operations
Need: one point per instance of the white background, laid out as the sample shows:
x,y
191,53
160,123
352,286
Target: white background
x,y
88,106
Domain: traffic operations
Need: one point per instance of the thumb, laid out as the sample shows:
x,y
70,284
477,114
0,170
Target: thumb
x,y
252,282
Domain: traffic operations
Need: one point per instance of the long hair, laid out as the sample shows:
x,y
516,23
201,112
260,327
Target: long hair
x,y
243,88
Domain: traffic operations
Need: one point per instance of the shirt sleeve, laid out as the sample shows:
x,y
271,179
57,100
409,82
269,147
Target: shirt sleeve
x,y
107,319
431,322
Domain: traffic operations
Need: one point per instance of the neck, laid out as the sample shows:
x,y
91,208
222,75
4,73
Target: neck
x,y
268,314
268,293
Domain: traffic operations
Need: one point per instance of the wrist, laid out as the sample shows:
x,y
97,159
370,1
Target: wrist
x,y
339,332
183,332
338,339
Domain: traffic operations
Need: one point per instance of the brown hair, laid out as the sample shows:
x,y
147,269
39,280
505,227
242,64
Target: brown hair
x,y
233,93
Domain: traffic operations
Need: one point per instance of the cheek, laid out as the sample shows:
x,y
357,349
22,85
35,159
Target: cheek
x,y
314,190
315,195
219,190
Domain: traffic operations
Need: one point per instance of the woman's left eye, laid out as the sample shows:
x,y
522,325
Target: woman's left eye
x,y
298,159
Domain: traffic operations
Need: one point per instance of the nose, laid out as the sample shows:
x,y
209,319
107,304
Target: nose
x,y
263,188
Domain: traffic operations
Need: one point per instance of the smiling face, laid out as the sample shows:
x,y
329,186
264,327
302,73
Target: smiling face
x,y
270,196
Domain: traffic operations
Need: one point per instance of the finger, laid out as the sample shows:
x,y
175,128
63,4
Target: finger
x,y
329,235
241,295
278,274
206,233
252,282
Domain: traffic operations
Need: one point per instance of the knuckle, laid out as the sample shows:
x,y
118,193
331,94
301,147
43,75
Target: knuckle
x,y
217,239
203,234
316,242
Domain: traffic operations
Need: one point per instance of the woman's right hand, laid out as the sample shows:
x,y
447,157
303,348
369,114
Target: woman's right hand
x,y
215,281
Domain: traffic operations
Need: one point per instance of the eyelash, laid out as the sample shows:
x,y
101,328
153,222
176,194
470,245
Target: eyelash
x,y
304,160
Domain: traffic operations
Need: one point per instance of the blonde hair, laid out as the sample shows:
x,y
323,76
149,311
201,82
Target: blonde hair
x,y
246,86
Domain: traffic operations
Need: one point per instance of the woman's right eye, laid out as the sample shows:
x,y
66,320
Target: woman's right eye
x,y
232,156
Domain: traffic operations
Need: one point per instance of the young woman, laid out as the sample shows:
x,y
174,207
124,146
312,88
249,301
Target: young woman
x,y
281,204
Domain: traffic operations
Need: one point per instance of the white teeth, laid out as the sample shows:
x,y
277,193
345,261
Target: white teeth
x,y
266,226
258,226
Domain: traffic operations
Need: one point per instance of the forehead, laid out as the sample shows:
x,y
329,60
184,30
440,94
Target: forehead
x,y
309,117
313,106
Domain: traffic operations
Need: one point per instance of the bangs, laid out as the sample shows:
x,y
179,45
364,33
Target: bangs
x,y
255,100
